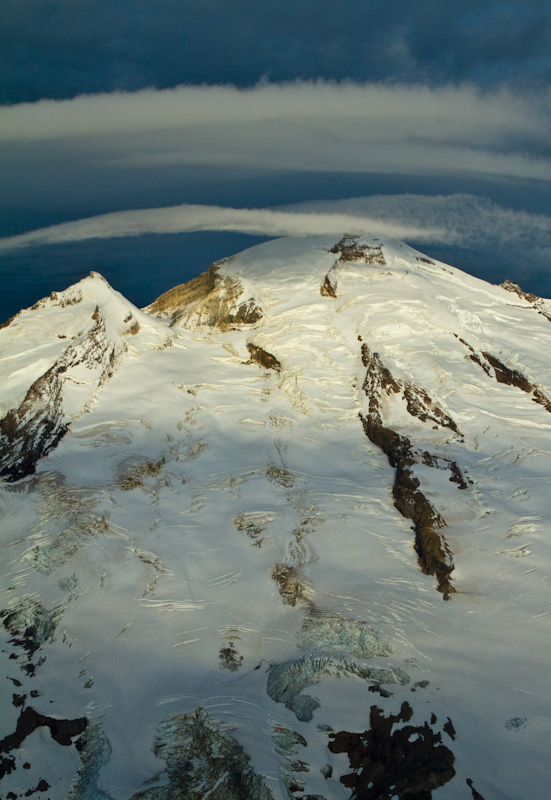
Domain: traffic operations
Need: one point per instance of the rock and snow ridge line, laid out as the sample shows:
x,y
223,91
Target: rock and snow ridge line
x,y
68,388
215,500
32,430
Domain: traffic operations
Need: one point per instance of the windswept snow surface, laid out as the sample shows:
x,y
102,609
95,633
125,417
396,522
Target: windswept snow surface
x,y
209,568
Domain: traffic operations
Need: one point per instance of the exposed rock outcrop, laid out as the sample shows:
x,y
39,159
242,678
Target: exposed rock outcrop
x,y
328,288
511,286
420,405
542,306
183,295
136,475
35,428
351,249
493,366
418,401
289,583
210,299
263,358
409,762
31,431
434,555
476,795
62,730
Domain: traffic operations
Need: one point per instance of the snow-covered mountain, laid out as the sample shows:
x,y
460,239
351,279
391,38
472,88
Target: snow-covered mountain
x,y
282,534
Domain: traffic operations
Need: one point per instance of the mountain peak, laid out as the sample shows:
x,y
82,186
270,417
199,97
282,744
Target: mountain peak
x,y
247,502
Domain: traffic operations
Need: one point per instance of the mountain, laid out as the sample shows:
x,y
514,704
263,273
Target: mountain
x,y
284,533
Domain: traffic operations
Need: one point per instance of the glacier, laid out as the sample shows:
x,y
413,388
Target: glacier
x,y
283,533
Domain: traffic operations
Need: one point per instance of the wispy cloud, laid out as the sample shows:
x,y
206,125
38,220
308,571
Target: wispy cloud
x,y
227,148
458,219
314,126
185,218
463,219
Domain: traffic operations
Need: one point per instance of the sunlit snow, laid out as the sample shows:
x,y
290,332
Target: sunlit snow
x,y
212,550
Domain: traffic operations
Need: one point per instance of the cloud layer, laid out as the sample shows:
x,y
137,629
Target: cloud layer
x,y
300,126
186,218
412,162
460,219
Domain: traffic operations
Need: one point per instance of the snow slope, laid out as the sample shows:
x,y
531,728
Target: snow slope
x,y
300,498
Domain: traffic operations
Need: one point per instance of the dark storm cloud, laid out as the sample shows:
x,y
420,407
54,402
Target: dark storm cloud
x,y
61,48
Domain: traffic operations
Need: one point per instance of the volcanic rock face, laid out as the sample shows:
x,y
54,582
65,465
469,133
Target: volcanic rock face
x,y
209,300
231,519
504,374
432,549
543,306
407,762
70,386
37,425
351,249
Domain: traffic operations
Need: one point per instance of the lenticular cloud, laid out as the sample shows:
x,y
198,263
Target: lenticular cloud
x,y
458,219
317,126
186,218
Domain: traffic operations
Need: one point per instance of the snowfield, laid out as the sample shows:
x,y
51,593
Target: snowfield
x,y
282,534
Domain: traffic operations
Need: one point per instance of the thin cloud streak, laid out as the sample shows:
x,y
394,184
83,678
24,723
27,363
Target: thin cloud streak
x,y
458,219
187,218
346,151
313,126
464,111
464,219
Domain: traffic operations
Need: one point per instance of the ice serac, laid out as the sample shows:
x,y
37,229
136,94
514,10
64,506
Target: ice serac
x,y
229,521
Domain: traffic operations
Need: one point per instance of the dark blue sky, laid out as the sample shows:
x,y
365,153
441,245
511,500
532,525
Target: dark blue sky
x,y
61,48
262,149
